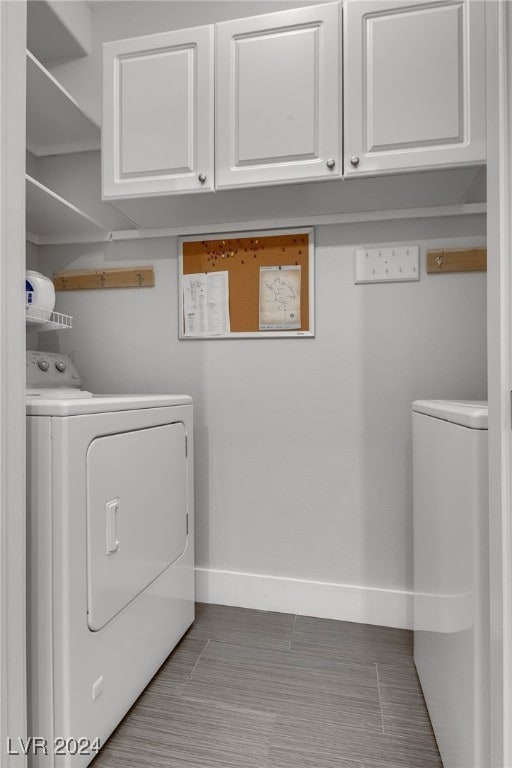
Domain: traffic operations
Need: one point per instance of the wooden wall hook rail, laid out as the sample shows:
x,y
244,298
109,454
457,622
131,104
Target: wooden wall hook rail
x,y
89,279
457,260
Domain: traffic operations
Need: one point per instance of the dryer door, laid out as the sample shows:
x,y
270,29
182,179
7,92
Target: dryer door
x,y
136,514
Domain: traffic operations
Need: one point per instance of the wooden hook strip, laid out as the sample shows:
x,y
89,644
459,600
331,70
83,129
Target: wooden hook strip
x,y
88,279
457,260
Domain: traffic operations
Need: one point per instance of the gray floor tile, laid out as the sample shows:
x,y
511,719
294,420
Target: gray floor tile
x,y
350,640
240,625
404,711
402,674
167,732
254,703
173,675
283,758
328,741
407,722
285,682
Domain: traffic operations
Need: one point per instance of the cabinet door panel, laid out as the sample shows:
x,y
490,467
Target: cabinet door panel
x,y
414,85
143,112
158,114
274,78
400,110
278,97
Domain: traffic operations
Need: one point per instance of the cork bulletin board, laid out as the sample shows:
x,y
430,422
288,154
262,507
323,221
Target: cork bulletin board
x,y
253,284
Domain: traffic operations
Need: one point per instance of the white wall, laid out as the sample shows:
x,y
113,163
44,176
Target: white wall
x,y
31,255
303,446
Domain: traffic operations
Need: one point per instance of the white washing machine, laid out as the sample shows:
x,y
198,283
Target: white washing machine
x,y
110,552
451,582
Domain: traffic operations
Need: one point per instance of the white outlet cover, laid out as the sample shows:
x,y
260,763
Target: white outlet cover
x,y
387,264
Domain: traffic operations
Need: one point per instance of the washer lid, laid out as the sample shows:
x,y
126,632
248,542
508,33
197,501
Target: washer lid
x,y
467,413
41,406
60,393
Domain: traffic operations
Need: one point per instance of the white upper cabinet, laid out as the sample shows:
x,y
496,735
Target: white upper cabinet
x,y
413,91
278,97
158,114
414,85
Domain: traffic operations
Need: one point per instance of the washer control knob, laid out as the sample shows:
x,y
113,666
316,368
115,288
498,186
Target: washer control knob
x,y
43,365
60,366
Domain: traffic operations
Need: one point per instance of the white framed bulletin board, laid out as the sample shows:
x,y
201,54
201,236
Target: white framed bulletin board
x,y
247,285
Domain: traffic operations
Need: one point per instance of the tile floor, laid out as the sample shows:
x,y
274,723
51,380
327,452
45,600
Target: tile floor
x,y
251,689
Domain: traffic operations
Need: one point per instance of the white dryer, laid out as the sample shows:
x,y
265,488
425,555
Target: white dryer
x,y
110,551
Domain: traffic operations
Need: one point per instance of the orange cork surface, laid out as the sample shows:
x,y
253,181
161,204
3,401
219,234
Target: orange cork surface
x,y
242,259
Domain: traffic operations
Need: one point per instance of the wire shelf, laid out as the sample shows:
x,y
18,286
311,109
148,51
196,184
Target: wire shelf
x,y
39,319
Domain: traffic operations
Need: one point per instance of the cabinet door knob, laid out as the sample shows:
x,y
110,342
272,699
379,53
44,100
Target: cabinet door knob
x,y
330,163
202,177
354,161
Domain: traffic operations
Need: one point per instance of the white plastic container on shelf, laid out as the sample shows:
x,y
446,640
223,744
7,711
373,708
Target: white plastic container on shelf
x,y
39,304
40,291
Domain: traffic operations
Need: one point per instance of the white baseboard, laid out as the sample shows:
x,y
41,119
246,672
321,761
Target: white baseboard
x,y
366,605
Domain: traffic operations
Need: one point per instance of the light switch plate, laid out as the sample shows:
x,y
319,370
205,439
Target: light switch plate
x,y
381,265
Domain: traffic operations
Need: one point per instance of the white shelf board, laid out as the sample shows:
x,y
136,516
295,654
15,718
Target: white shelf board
x,y
52,219
55,123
